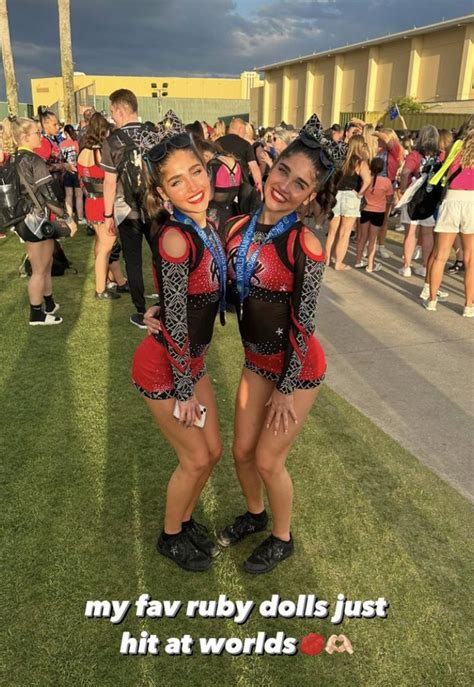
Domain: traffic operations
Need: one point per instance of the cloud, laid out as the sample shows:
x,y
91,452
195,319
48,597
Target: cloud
x,y
201,37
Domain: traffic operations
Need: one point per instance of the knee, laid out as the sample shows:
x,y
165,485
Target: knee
x,y
243,453
199,465
215,454
268,466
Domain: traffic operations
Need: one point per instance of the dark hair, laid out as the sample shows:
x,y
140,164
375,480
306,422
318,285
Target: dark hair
x,y
70,130
97,130
376,166
195,130
45,113
336,128
123,96
326,194
152,174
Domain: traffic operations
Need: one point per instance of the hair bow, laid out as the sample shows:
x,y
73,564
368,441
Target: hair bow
x,y
313,135
170,126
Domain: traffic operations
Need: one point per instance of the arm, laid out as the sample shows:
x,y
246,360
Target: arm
x,y
110,191
364,172
173,272
309,268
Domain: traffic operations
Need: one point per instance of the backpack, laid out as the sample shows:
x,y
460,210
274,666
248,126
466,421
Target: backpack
x,y
60,263
13,205
129,168
428,196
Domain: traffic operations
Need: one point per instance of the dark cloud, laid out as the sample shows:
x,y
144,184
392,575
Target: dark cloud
x,y
200,37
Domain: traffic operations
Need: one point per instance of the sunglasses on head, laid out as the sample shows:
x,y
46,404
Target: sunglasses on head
x,y
160,150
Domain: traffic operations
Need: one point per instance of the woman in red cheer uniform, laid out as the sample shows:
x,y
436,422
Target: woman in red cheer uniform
x,y
275,271
169,368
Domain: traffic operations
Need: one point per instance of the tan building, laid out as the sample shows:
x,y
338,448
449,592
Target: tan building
x,y
195,93
434,64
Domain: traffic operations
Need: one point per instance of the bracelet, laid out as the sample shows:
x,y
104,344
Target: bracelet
x,y
108,216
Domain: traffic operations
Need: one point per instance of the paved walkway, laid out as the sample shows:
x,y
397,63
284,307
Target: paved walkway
x,y
410,371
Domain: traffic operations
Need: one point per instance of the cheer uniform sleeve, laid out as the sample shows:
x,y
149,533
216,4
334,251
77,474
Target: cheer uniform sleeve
x,y
309,269
172,274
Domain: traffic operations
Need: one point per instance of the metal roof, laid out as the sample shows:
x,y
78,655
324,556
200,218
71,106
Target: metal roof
x,y
467,19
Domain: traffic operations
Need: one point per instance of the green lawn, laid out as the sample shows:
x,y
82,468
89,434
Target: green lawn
x,y
83,503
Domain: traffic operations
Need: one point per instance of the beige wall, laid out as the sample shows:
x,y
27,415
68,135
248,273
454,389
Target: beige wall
x,y
46,91
435,67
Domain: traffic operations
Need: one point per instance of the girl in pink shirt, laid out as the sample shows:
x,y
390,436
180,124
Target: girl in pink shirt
x,y
373,215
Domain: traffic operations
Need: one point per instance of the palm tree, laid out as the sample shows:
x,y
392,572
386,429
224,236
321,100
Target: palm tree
x,y
8,66
67,65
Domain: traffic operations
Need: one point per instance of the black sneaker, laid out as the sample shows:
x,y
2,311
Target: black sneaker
x,y
123,289
457,266
90,230
183,552
106,295
242,526
199,536
137,320
268,554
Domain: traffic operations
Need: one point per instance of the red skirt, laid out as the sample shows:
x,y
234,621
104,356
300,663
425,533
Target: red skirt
x,y
270,366
152,372
94,210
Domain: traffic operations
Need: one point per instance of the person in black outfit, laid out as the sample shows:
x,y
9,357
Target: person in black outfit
x,y
234,143
20,137
125,213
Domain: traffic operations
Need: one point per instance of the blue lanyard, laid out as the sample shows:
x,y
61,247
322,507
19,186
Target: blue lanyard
x,y
216,250
245,268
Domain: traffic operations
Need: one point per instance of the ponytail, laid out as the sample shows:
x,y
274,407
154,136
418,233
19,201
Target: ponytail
x,y
13,128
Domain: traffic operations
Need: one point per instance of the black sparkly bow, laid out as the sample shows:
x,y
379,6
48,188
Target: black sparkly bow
x,y
313,135
170,126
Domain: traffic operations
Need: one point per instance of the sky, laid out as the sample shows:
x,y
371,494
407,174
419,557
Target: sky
x,y
201,37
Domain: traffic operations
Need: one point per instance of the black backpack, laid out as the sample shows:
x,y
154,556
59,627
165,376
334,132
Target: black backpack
x,y
129,168
60,263
13,205
428,196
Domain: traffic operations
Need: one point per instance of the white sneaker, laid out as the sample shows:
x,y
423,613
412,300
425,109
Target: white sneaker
x,y
360,264
429,305
420,270
425,294
399,228
468,311
377,268
405,271
383,252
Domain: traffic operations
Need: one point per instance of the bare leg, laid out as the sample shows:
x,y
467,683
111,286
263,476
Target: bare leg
x,y
69,192
115,270
103,248
373,233
40,255
197,455
361,240
467,241
347,225
426,236
441,254
79,195
409,244
332,232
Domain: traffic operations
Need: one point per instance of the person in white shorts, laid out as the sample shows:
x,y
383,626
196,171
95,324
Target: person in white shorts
x,y
456,217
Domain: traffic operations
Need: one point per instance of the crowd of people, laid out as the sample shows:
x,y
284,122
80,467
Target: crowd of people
x,y
232,218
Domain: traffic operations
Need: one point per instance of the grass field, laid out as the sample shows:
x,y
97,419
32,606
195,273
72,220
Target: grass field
x,y
85,475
